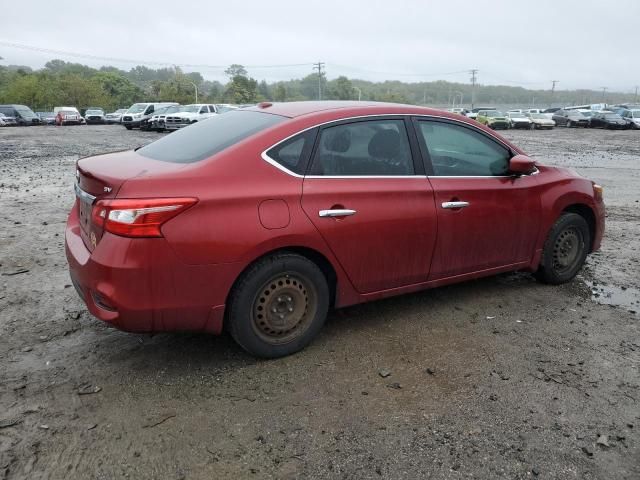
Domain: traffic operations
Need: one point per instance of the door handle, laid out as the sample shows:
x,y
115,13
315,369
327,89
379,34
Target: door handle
x,y
338,212
453,205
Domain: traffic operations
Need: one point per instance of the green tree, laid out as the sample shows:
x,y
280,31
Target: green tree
x,y
280,93
235,70
340,89
241,89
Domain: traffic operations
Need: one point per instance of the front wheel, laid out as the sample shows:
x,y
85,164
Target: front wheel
x,y
127,127
568,124
565,249
278,305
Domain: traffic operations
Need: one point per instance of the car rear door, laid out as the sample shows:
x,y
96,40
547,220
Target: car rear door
x,y
486,218
367,195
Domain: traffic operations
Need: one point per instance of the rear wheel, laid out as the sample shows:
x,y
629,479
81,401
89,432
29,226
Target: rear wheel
x,y
278,305
565,249
127,127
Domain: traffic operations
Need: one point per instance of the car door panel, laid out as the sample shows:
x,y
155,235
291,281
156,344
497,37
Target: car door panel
x,y
486,217
499,226
386,237
388,242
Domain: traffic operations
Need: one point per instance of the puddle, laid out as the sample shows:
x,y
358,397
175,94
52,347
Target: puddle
x,y
627,298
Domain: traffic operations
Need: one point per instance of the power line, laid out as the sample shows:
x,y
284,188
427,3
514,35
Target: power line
x,y
404,74
133,61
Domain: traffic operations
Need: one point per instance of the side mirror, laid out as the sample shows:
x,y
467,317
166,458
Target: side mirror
x,y
521,165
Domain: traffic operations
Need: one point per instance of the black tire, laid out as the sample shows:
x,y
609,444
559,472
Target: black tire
x,y
565,249
128,127
278,305
532,126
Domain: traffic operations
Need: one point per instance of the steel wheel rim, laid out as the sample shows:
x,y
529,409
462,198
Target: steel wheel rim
x,y
566,249
284,308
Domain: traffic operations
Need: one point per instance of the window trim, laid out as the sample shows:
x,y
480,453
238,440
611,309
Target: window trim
x,y
427,157
413,143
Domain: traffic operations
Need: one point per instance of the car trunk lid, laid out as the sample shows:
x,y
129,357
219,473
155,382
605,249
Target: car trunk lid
x,y
100,178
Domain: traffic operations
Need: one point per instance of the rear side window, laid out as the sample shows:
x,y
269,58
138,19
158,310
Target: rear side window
x,y
292,154
208,137
367,148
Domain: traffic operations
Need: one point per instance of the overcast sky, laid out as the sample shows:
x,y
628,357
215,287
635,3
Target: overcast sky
x,y
581,43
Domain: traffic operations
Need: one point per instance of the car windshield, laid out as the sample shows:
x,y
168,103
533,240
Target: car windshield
x,y
137,108
576,114
612,116
223,109
208,137
94,112
516,115
493,113
191,108
121,110
173,109
587,114
537,116
635,113
25,112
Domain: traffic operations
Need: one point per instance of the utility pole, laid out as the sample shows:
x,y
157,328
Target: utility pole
x,y
359,92
553,90
319,66
196,87
474,73
604,90
635,97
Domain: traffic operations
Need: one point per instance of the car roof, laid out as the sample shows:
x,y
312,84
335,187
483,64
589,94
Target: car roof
x,y
344,109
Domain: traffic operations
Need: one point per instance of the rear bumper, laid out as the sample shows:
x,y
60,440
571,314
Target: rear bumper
x,y
139,285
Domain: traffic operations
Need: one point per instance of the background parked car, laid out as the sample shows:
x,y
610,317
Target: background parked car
x,y
493,119
570,118
541,121
68,117
56,110
141,111
520,120
6,121
23,115
94,115
474,111
190,114
156,122
47,118
633,116
608,120
114,117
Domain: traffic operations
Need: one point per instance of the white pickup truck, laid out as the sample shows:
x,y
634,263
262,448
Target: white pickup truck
x,y
188,115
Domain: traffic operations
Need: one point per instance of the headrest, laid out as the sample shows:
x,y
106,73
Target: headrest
x,y
337,140
384,144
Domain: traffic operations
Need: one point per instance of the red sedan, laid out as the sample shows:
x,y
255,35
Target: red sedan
x,y
262,219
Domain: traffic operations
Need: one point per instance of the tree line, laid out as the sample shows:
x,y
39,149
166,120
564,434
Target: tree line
x,y
64,83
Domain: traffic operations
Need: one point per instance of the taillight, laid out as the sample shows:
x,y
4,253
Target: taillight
x,y
138,217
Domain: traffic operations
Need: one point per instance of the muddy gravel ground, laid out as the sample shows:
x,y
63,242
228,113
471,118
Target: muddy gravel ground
x,y
496,378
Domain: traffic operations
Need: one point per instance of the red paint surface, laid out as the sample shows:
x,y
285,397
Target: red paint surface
x,y
400,240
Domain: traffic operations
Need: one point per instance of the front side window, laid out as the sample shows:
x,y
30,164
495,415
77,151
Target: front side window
x,y
204,109
204,139
455,150
368,148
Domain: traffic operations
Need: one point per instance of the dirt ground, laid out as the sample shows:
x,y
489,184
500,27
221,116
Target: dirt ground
x,y
497,378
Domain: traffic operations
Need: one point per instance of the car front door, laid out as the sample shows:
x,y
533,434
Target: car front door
x,y
367,195
487,219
